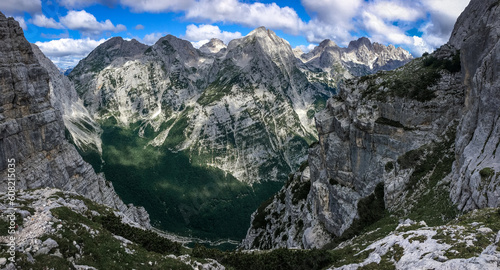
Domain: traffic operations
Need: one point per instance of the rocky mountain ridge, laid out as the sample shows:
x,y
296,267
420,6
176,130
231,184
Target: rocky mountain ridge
x,y
418,142
172,82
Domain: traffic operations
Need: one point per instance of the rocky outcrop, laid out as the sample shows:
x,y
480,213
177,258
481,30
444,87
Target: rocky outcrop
x,y
398,129
476,172
84,131
215,45
362,133
32,131
70,230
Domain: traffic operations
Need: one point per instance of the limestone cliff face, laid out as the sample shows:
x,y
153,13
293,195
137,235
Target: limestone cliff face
x,y
430,125
476,176
84,131
32,131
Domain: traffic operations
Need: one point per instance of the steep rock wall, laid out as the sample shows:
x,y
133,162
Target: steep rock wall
x,y
32,131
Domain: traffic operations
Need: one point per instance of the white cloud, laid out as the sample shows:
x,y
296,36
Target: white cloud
x,y
395,10
70,4
252,15
156,6
55,36
443,14
383,32
201,34
139,27
19,7
332,11
200,43
87,24
68,46
21,22
152,38
66,52
384,21
305,48
41,21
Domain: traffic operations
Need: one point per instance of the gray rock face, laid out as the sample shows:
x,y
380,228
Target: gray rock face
x,y
476,174
368,131
215,45
84,131
32,131
358,137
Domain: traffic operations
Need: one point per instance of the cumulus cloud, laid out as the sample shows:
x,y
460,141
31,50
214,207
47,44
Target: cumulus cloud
x,y
66,52
156,6
152,38
41,20
201,34
384,32
87,24
396,10
21,22
71,4
139,27
305,48
384,21
55,36
19,7
252,15
443,14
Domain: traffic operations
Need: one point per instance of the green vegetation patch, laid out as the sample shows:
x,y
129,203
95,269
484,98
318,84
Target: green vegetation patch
x,y
147,239
389,166
432,203
300,191
90,240
419,238
222,86
180,196
486,173
259,221
412,80
273,260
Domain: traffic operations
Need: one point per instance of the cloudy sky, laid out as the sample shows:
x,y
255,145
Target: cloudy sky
x,y
67,30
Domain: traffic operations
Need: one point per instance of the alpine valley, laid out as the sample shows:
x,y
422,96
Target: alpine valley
x,y
201,137
357,157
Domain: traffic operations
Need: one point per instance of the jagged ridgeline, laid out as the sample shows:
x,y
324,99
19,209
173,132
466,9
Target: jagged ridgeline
x,y
401,156
200,137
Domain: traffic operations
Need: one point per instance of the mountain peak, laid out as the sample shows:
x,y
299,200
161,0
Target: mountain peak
x,y
257,30
356,44
213,46
327,43
262,32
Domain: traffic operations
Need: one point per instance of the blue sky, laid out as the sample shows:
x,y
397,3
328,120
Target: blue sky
x,y
67,30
